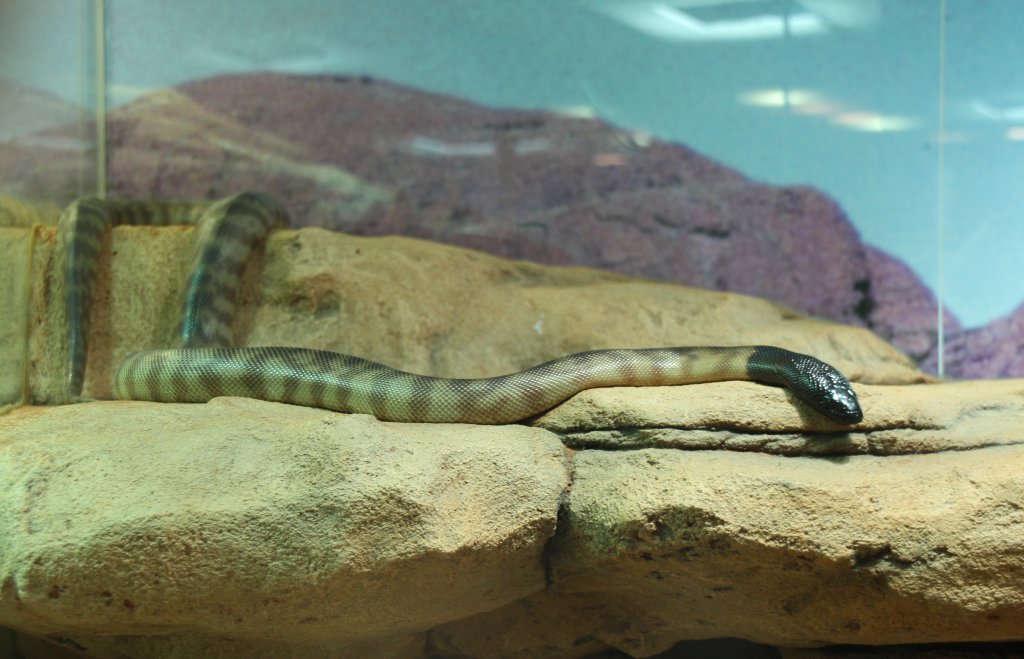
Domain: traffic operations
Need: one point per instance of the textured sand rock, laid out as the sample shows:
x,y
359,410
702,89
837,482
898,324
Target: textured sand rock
x,y
179,526
898,419
16,247
252,520
785,551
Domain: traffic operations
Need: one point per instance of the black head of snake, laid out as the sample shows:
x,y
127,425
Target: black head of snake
x,y
811,380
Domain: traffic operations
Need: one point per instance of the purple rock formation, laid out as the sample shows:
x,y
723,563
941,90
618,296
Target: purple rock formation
x,y
993,351
905,310
536,185
369,157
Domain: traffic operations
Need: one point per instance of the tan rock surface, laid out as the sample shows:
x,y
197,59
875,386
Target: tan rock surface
x,y
15,264
256,520
266,523
657,545
247,528
743,416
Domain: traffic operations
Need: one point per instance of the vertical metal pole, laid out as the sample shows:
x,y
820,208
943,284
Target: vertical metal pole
x,y
100,37
940,196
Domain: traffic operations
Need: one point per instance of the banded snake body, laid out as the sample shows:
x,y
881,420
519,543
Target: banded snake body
x,y
206,366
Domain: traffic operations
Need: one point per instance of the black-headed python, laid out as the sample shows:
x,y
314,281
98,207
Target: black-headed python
x,y
206,366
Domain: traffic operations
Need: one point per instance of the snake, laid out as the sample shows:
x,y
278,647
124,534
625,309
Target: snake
x,y
206,365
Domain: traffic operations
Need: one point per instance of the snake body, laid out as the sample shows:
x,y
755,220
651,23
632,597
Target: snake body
x,y
206,367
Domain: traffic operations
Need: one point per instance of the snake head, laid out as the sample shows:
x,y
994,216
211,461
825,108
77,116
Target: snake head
x,y
827,390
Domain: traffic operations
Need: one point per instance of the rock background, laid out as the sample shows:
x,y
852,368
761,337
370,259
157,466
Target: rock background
x,y
368,157
995,350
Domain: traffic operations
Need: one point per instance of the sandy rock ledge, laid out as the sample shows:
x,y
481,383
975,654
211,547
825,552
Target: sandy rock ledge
x,y
626,519
260,521
246,528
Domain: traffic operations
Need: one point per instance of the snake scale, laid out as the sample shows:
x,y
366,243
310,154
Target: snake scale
x,y
206,366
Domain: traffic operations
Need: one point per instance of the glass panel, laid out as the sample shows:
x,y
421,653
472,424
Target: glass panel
x,y
981,191
806,171
789,149
48,98
48,123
